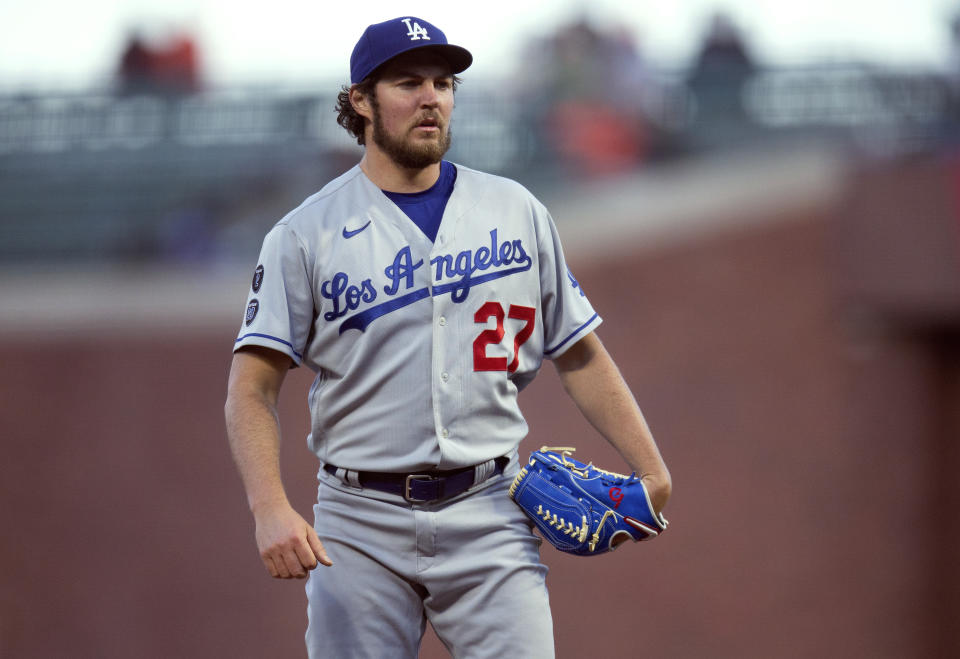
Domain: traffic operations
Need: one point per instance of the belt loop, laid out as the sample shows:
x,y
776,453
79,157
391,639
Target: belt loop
x,y
348,477
353,478
482,471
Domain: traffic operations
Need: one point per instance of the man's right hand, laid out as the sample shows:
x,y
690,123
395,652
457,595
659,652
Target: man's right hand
x,y
288,544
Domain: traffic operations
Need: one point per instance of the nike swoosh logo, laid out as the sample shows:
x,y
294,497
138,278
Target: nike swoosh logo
x,y
351,234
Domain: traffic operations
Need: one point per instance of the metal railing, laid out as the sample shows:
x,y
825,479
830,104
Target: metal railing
x,y
90,175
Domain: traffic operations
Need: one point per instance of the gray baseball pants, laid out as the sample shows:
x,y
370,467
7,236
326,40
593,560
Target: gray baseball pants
x,y
470,565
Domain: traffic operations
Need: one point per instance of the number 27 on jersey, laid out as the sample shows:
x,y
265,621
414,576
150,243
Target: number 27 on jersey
x,y
526,315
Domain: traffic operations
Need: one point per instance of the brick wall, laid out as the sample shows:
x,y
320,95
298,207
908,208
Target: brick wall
x,y
811,445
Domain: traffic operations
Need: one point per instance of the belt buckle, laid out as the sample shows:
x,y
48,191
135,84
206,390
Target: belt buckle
x,y
406,487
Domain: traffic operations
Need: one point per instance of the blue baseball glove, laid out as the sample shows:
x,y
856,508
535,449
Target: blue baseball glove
x,y
581,509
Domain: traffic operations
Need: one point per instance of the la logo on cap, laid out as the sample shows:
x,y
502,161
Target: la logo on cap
x,y
415,32
381,42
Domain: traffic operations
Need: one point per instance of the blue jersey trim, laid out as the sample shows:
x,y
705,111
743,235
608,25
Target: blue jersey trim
x,y
272,338
573,334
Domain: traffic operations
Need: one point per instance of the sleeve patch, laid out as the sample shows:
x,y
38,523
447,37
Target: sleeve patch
x,y
252,310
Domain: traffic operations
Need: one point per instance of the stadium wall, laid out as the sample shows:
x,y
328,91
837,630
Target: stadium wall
x,y
810,431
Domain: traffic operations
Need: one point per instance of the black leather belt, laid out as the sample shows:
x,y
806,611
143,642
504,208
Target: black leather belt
x,y
425,487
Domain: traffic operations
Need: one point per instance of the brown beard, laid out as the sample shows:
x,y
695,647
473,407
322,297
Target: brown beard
x,y
404,154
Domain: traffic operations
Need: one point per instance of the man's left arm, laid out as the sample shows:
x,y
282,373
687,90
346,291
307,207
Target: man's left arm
x,y
593,381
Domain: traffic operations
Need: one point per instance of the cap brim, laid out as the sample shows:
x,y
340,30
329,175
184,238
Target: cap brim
x,y
457,57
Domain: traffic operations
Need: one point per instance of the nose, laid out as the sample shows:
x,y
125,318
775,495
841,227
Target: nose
x,y
428,94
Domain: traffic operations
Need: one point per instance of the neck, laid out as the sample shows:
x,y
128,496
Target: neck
x,y
388,175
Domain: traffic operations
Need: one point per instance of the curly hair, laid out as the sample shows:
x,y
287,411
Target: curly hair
x,y
348,117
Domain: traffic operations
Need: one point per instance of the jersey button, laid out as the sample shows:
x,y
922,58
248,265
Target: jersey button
x,y
444,376
444,433
443,321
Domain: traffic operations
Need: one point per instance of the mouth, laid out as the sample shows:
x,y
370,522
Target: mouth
x,y
429,124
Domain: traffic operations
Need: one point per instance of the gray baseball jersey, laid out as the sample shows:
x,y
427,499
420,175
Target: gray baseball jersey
x,y
420,347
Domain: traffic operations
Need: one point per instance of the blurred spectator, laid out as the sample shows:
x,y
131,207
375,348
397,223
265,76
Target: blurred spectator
x,y
717,78
595,139
577,69
172,68
585,88
177,66
136,76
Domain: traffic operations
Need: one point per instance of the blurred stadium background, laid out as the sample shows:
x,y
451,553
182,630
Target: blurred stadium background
x,y
775,248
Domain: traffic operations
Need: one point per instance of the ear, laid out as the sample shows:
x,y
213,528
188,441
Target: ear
x,y
361,103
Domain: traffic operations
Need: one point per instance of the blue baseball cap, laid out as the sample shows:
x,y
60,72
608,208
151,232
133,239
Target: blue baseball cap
x,y
384,41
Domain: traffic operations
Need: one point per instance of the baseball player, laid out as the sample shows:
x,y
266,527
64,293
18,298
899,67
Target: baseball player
x,y
424,295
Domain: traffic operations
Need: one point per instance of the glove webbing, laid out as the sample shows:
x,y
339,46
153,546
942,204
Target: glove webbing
x,y
567,527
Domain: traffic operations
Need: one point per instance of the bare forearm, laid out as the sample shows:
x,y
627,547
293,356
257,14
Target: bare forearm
x,y
254,433
593,381
288,544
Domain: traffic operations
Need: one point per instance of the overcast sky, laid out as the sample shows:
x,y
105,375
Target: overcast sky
x,y
75,43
